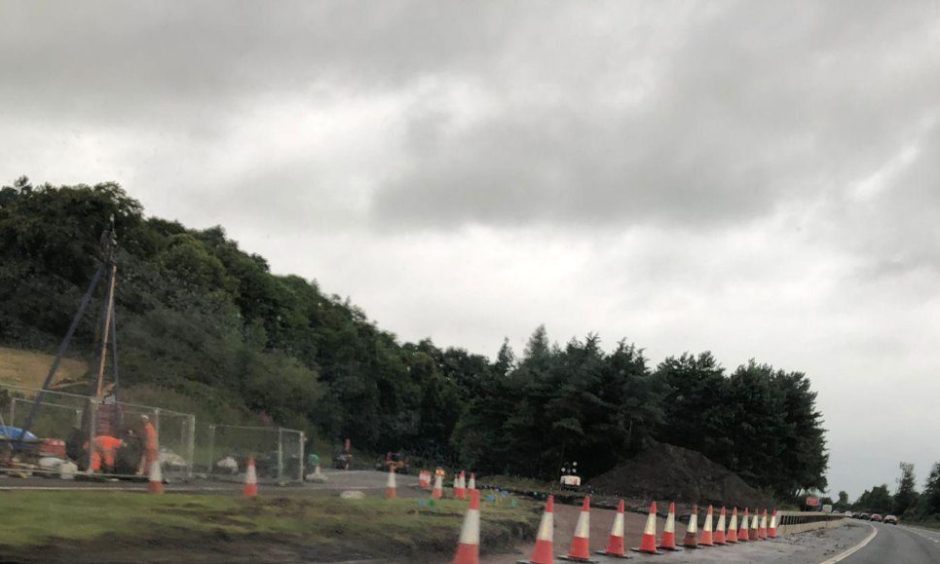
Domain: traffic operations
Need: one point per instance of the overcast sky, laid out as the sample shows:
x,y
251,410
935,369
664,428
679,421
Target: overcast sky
x,y
758,179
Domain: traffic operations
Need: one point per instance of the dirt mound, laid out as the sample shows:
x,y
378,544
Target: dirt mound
x,y
669,472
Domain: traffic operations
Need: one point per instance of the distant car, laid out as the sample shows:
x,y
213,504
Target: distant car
x,y
877,518
864,516
891,520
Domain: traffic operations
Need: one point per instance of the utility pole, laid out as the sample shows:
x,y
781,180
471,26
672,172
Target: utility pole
x,y
109,310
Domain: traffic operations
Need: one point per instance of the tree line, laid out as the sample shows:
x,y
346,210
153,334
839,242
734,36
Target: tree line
x,y
201,317
907,502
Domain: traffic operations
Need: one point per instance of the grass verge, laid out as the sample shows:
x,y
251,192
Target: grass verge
x,y
43,525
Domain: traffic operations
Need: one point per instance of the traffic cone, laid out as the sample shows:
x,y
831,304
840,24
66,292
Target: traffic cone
x,y
691,532
772,528
391,487
251,479
580,550
468,548
459,490
762,528
720,529
438,491
155,484
669,530
615,546
752,534
707,539
424,479
742,530
732,537
648,542
472,484
544,553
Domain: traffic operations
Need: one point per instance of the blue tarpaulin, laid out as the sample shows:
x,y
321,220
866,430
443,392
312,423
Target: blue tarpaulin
x,y
13,433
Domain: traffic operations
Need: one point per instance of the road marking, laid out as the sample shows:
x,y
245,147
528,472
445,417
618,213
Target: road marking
x,y
854,549
920,534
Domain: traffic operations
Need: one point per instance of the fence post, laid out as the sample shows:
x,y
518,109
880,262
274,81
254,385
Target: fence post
x,y
211,462
303,442
156,420
280,454
190,446
92,422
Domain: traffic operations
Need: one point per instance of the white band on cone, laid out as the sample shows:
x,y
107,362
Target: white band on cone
x,y
470,533
583,529
693,524
546,527
650,525
670,526
617,529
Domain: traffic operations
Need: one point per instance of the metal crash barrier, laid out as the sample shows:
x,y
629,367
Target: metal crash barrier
x,y
801,521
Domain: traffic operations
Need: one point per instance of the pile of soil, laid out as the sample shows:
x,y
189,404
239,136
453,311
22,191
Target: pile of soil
x,y
667,472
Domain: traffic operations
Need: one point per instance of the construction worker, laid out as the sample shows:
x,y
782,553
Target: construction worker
x,y
104,453
151,447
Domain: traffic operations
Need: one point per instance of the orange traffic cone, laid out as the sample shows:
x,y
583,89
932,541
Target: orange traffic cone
x,y
720,529
669,530
732,537
459,491
468,549
580,550
772,528
691,531
762,528
742,530
648,542
391,487
438,491
472,484
615,546
424,479
707,529
251,479
752,534
544,553
155,484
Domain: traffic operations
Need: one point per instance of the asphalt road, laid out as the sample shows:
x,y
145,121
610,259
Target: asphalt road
x,y
899,544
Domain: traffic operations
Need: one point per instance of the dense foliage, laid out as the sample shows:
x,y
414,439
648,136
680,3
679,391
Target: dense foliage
x,y
205,319
906,502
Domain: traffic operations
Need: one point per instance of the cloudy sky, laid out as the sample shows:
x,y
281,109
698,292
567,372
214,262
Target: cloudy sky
x,y
758,179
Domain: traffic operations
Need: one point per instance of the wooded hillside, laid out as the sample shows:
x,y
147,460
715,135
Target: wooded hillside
x,y
199,316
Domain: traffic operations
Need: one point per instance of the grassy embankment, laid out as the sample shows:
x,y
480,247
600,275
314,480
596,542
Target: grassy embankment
x,y
44,524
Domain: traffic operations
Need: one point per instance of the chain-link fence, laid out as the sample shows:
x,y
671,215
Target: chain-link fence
x,y
106,436
278,452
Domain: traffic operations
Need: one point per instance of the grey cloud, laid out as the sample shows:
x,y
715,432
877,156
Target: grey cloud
x,y
757,108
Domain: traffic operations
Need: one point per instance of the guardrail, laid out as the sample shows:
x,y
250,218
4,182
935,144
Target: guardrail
x,y
791,522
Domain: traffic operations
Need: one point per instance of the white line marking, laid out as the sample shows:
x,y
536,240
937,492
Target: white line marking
x,y
920,534
854,549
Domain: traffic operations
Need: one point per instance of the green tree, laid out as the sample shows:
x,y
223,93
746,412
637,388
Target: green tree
x,y
906,496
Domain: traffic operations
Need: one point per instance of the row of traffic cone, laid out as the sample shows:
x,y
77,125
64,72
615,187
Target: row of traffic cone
x,y
752,528
543,552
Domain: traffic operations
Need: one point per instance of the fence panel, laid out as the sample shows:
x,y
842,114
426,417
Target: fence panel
x,y
278,452
107,436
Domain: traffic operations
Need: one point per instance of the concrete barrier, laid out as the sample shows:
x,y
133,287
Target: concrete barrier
x,y
791,522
